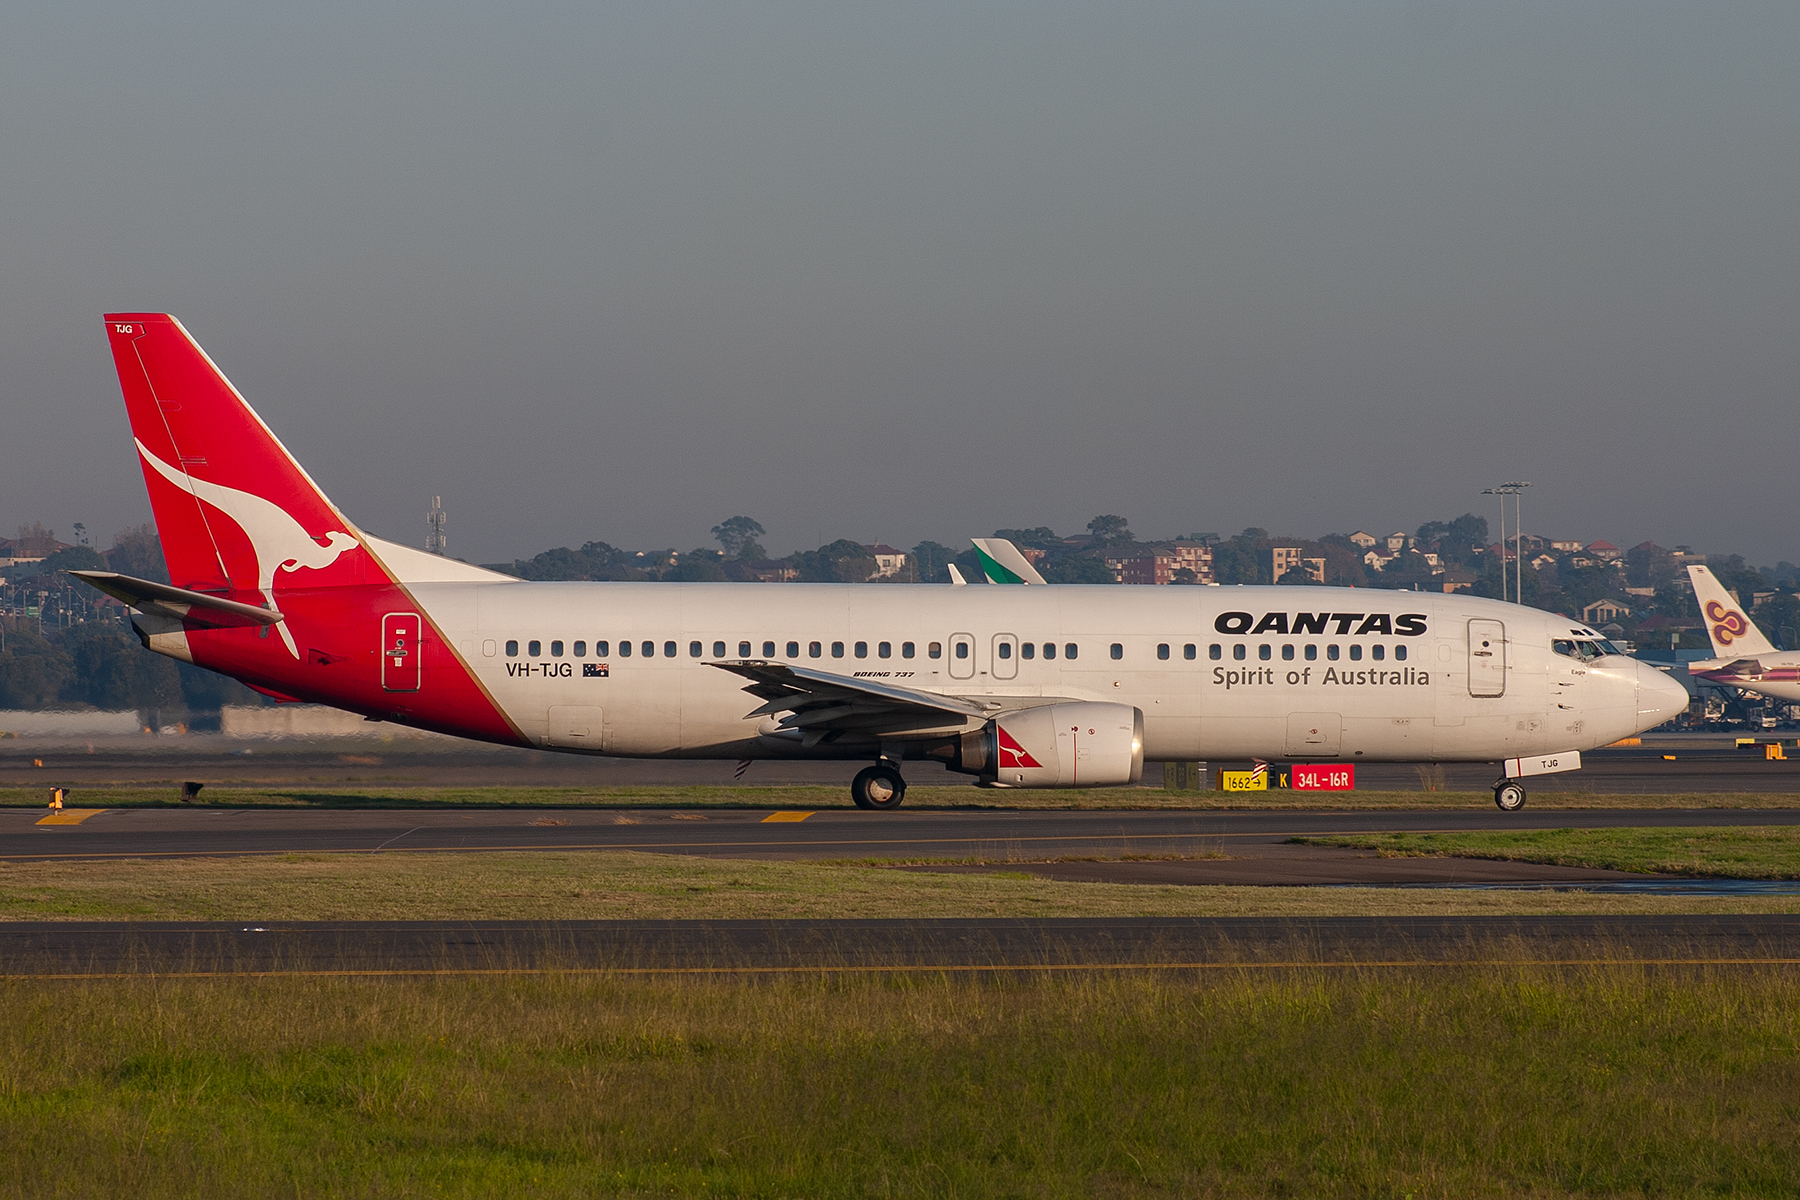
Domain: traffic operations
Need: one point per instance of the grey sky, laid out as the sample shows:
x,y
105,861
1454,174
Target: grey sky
x,y
907,271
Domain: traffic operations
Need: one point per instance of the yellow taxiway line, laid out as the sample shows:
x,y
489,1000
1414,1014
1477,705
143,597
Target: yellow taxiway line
x,y
70,816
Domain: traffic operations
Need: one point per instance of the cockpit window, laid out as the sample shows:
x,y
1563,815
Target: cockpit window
x,y
1586,651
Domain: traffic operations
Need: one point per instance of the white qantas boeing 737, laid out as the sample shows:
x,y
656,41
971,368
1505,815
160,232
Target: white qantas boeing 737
x,y
1744,657
1039,686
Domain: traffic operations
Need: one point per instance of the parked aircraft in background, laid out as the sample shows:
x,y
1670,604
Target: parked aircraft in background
x,y
1029,687
1744,658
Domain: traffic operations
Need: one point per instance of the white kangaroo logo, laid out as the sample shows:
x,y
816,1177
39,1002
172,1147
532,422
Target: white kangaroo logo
x,y
278,540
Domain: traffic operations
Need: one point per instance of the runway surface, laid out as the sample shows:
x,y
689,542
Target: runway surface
x,y
978,945
1701,763
1244,847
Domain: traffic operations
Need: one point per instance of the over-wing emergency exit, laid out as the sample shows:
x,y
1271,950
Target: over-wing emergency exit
x,y
1027,687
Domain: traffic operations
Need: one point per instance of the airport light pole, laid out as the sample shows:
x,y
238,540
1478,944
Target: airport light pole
x,y
1517,488
1502,495
1514,488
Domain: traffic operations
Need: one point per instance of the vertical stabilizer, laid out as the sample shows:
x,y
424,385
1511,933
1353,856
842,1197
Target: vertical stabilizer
x,y
1001,562
236,514
1733,634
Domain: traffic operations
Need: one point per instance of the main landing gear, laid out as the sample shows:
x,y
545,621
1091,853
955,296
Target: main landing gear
x,y
1509,795
879,786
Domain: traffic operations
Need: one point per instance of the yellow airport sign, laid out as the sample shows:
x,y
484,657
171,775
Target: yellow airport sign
x,y
1243,781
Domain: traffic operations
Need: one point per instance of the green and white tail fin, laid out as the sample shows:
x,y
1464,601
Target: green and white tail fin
x,y
1001,562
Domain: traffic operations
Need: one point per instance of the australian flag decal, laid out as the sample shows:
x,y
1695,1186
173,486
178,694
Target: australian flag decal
x,y
593,670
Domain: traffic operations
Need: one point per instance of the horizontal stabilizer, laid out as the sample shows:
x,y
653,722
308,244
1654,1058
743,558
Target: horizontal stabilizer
x,y
180,603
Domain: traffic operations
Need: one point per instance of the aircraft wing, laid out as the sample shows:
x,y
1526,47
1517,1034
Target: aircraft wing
x,y
198,607
819,703
1746,668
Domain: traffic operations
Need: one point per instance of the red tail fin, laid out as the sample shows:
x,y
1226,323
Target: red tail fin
x,y
232,506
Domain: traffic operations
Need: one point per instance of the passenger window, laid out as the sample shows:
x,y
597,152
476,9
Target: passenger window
x,y
649,649
837,649
580,649
1264,651
1118,650
624,649
1190,652
1005,649
669,649
1162,650
1312,654
1215,652
1287,654
744,650
1378,652
862,649
1049,649
1356,653
962,649
885,650
602,649
935,650
694,649
1027,649
556,649
793,649
1400,653
906,649
719,650
1331,652
1238,652
768,649
512,649
534,648
1071,651
814,649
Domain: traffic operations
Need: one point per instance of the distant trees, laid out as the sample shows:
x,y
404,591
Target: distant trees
x,y
738,536
1110,531
101,665
1455,541
931,561
138,552
842,561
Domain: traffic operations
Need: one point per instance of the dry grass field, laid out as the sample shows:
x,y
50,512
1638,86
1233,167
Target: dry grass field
x,y
1462,1082
543,885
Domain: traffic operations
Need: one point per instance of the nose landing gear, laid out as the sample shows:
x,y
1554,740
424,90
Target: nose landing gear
x,y
879,786
1509,795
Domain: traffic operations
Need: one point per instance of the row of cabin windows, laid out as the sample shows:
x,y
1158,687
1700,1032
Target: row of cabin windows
x,y
1070,650
1265,652
603,649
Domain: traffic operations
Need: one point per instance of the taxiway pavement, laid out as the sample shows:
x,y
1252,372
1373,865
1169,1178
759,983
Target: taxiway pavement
x,y
85,950
1244,847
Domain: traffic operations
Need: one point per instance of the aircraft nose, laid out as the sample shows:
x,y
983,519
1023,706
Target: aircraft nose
x,y
1659,697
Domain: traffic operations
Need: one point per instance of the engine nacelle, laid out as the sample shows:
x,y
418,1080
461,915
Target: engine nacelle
x,y
1066,745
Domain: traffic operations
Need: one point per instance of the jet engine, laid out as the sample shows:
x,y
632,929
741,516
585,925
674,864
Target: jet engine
x,y
1053,745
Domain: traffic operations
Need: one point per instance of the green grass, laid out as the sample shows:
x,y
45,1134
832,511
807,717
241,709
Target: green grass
x,y
1457,1082
543,885
1733,852
286,795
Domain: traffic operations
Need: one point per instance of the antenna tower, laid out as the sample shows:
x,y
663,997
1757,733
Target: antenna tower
x,y
435,540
